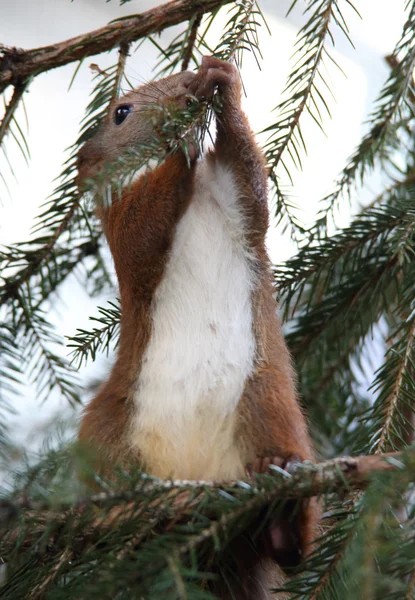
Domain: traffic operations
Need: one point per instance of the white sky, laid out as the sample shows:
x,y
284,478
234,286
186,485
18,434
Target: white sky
x,y
54,116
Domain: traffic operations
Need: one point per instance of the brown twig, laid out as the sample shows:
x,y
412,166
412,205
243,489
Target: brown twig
x,y
17,64
18,92
38,591
187,54
123,51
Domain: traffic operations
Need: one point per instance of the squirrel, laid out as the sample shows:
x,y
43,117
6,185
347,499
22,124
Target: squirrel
x,y
203,386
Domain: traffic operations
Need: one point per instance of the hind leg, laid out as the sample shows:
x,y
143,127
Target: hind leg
x,y
289,538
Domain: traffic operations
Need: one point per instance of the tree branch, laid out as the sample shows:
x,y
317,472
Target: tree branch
x,y
303,480
169,502
191,41
17,64
18,92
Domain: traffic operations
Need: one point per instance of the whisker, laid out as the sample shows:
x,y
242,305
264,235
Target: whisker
x,y
152,85
148,95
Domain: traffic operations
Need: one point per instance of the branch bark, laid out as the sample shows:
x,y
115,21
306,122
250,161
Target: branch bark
x,y
17,64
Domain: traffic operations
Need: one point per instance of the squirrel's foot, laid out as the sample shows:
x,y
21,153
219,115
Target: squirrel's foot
x,y
282,537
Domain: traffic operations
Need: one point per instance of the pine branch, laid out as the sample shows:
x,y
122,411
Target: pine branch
x,y
33,270
86,344
11,289
411,586
181,50
123,53
194,24
304,480
47,370
17,64
368,235
396,389
39,590
241,32
10,127
18,91
109,519
393,109
311,39
304,94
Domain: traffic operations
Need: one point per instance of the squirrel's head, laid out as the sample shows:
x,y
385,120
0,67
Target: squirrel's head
x,y
131,122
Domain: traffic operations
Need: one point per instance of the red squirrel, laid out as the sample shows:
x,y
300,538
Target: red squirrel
x,y
203,386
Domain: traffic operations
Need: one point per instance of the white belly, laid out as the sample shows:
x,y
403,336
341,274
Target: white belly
x,y
202,345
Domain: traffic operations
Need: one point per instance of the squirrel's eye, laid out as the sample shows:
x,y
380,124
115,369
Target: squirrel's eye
x,y
121,113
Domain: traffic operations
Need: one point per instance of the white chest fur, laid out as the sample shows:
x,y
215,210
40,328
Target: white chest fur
x,y
202,345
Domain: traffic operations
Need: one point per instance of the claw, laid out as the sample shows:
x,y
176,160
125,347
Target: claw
x,y
282,537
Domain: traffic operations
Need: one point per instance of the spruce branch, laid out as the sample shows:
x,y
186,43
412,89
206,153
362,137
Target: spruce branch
x,y
321,567
17,64
66,236
286,132
303,480
159,519
241,32
411,586
39,590
18,91
87,344
194,24
393,108
46,369
10,127
369,232
304,94
123,52
181,51
35,259
396,390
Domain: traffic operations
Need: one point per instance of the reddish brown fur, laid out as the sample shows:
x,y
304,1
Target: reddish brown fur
x,y
140,229
163,196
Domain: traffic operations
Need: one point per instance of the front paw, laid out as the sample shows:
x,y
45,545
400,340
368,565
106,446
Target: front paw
x,y
216,74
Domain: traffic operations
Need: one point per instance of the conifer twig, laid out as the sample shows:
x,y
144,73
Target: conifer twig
x,y
191,41
411,587
39,591
306,480
18,92
394,397
123,51
17,64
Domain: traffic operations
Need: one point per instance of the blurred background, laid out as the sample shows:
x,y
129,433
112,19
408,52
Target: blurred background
x,y
54,113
